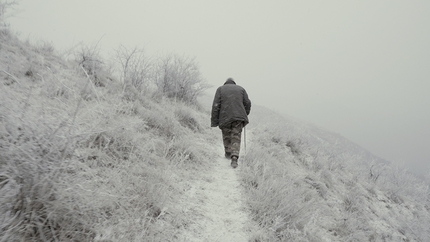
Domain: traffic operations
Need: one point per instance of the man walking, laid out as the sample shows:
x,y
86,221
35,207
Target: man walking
x,y
230,110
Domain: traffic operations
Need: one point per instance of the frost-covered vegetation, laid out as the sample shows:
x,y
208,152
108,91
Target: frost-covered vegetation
x,y
304,184
86,156
91,151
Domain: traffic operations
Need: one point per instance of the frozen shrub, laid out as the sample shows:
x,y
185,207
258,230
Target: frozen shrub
x,y
90,60
5,6
5,33
135,67
179,78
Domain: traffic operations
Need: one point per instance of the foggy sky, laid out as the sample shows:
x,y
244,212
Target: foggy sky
x,y
358,68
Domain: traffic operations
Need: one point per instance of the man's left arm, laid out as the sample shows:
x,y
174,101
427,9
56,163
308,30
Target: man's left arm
x,y
216,106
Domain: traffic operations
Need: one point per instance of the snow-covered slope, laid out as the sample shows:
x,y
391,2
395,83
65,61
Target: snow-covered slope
x,y
86,158
307,184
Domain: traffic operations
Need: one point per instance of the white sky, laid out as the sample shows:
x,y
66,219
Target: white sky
x,y
358,68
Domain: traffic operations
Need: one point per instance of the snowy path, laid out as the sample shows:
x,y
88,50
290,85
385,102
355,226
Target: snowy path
x,y
217,202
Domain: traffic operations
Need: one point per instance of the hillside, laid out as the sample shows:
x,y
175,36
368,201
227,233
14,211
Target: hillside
x,y
307,184
86,157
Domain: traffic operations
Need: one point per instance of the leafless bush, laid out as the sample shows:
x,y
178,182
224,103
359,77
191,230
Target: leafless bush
x,y
88,57
179,78
375,172
5,6
135,67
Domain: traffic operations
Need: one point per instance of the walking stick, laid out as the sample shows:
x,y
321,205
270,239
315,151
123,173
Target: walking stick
x,y
244,137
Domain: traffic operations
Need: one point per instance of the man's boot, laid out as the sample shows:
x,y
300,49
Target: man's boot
x,y
228,155
234,161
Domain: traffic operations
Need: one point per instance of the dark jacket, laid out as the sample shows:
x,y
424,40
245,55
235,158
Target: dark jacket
x,y
231,103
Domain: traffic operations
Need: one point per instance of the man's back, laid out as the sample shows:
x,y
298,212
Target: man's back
x,y
231,103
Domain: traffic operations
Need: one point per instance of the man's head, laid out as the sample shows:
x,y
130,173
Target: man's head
x,y
230,81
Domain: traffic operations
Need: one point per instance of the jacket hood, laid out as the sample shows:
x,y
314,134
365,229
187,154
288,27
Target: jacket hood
x,y
230,81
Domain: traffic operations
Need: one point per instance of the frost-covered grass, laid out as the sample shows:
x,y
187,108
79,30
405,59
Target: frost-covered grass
x,y
304,185
84,157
